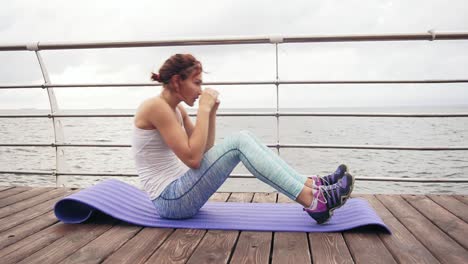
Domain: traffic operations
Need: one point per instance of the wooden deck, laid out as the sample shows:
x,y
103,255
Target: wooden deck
x,y
426,229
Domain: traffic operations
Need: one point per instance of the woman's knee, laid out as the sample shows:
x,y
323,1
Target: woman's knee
x,y
246,132
241,133
238,140
246,137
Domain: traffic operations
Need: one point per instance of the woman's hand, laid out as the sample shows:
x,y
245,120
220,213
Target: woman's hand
x,y
208,99
216,105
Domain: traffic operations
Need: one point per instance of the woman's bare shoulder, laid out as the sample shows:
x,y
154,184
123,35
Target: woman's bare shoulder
x,y
152,104
144,110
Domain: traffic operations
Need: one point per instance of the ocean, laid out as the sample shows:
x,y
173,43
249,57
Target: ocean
x,y
293,130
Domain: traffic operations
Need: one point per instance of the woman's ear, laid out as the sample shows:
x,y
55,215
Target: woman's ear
x,y
175,82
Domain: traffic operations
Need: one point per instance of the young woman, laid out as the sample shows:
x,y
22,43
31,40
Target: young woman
x,y
180,166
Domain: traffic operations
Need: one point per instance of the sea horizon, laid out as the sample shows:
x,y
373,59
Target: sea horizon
x,y
396,107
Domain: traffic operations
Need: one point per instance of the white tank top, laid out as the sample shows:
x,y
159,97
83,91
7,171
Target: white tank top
x,y
156,164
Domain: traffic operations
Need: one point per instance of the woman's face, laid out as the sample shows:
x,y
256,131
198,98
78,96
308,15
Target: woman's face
x,y
191,88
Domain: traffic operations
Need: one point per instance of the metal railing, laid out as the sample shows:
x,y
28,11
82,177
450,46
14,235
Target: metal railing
x,y
59,141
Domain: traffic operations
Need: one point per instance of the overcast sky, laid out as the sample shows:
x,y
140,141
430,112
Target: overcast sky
x,y
27,21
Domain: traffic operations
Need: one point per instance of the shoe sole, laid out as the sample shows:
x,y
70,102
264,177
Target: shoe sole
x,y
344,198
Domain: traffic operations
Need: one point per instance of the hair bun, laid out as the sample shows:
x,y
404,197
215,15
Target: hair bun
x,y
155,77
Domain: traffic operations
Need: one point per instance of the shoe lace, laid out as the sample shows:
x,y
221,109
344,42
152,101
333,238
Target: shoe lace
x,y
326,189
324,180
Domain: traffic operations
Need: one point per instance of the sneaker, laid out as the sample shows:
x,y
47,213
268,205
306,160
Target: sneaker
x,y
332,178
330,197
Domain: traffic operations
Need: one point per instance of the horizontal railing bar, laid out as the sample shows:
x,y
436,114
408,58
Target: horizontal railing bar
x,y
238,41
375,81
396,179
18,86
27,172
273,114
425,180
67,145
87,85
244,176
27,145
312,146
376,147
357,114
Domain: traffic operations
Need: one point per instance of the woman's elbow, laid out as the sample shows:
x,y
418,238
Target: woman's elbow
x,y
194,163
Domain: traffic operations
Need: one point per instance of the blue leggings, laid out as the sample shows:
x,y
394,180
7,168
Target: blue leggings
x,y
186,195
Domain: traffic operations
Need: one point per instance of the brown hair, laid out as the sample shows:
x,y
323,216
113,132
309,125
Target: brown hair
x,y
178,64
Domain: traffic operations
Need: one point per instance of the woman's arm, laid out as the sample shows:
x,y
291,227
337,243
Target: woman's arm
x,y
189,149
188,125
212,128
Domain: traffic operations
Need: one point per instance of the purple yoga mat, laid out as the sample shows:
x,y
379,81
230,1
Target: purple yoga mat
x,y
130,204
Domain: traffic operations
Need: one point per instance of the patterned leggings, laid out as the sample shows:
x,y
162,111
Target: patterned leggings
x,y
186,195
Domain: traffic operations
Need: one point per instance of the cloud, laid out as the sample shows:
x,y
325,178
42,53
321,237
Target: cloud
x,y
26,21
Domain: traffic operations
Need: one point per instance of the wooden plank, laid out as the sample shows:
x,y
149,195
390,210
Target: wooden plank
x,y
254,247
3,188
444,248
97,250
449,223
291,247
23,196
34,243
23,235
240,197
285,240
270,197
151,239
325,247
462,198
32,226
140,247
452,204
70,242
25,204
284,199
366,247
180,245
216,245
404,247
329,248
19,232
401,244
32,212
219,197
13,191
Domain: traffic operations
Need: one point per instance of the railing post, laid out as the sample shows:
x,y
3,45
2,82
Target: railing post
x,y
276,41
277,102
59,137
